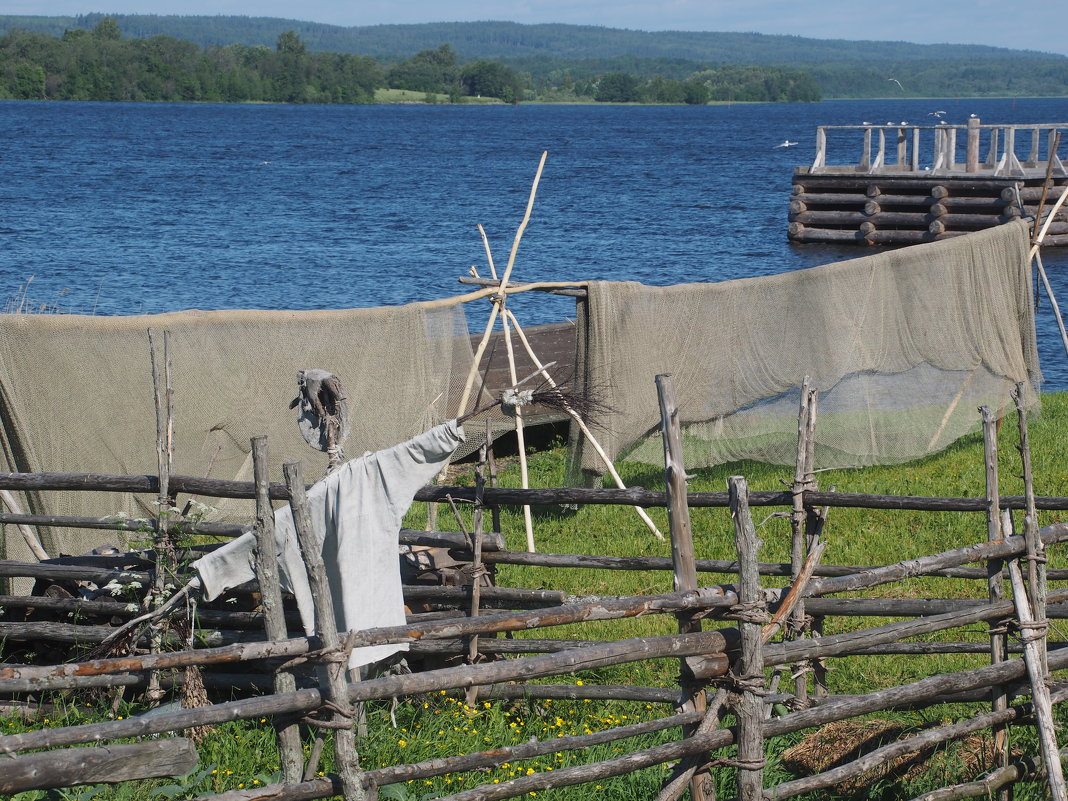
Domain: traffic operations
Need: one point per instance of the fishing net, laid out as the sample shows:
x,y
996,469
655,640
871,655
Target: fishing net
x,y
76,395
903,347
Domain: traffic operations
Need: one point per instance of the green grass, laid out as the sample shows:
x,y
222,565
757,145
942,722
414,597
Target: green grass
x,y
243,755
408,96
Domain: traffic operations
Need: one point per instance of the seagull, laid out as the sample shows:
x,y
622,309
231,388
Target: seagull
x,y
787,143
899,86
936,113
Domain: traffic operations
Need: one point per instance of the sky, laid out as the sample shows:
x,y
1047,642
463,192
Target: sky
x,y
1035,25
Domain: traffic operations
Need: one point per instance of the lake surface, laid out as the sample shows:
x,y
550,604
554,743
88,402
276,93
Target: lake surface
x,y
143,208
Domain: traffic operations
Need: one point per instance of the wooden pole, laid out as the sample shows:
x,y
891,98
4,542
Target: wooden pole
x,y
335,657
815,520
501,289
750,672
552,496
32,542
682,556
477,568
476,596
798,519
1052,299
1049,221
166,563
1036,549
102,763
524,476
289,746
972,147
1034,633
582,425
995,583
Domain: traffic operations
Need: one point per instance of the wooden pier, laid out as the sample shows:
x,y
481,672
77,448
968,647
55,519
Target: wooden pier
x,y
918,183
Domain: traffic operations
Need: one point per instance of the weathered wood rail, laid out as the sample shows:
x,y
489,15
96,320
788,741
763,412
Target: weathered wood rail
x,y
917,183
725,667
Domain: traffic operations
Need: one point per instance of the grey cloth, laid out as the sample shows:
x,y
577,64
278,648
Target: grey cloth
x,y
356,512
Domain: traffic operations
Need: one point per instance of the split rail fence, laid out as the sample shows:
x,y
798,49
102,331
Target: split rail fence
x,y
764,655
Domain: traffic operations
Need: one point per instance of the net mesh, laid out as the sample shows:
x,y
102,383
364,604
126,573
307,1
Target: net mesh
x,y
76,395
903,346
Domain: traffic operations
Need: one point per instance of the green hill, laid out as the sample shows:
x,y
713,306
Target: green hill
x,y
547,52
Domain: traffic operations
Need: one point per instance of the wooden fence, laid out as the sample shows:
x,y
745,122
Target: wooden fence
x,y
901,147
744,666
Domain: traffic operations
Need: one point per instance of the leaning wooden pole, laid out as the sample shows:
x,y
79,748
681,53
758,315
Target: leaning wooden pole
x,y
1034,633
682,556
32,542
501,289
749,676
289,747
995,583
798,519
478,568
524,475
611,468
346,759
162,394
1036,549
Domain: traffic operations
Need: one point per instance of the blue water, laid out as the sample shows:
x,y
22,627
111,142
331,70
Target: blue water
x,y
137,208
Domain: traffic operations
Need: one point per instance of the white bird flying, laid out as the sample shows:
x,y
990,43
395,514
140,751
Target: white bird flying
x,y
899,86
786,143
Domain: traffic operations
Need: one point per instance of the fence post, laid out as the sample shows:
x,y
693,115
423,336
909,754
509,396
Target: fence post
x,y
345,757
289,748
995,583
166,561
682,556
799,519
749,677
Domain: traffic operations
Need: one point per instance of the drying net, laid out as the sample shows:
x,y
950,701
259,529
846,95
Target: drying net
x,y
76,395
903,347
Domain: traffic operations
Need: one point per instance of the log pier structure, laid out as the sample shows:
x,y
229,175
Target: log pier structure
x,y
919,183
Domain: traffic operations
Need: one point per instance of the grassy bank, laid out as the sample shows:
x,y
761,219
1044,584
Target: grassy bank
x,y
243,755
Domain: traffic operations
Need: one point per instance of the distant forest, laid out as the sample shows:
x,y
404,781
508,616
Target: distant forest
x,y
558,61
100,64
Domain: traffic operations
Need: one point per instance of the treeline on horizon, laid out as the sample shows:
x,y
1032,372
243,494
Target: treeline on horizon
x,y
549,56
100,64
